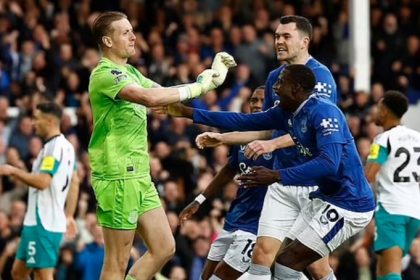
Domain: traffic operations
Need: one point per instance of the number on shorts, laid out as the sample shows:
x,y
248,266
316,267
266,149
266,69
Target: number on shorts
x,y
329,216
31,248
247,251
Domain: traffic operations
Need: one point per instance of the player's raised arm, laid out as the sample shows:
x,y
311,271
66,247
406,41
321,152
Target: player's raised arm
x,y
151,97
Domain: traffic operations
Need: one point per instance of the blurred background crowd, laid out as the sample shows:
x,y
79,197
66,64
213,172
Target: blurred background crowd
x,y
47,52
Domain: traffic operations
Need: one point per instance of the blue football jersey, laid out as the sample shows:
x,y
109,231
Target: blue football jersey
x,y
325,87
320,122
245,209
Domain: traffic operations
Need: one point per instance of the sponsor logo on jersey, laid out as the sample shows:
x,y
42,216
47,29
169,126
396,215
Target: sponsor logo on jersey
x,y
329,125
119,76
323,88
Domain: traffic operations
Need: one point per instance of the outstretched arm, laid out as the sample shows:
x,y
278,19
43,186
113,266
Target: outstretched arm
x,y
158,96
224,176
39,181
214,139
258,147
122,85
270,119
273,118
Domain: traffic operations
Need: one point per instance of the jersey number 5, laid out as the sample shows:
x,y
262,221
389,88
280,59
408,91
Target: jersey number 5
x,y
406,179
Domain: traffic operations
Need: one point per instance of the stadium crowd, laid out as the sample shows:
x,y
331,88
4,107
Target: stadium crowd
x,y
47,53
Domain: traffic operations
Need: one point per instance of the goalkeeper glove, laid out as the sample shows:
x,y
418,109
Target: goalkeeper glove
x,y
221,63
205,82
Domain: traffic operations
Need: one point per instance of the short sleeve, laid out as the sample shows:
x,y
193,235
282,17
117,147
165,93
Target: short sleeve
x,y
325,86
377,154
110,81
379,149
329,124
49,165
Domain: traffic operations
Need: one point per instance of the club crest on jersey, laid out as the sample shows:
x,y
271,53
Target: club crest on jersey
x,y
267,156
329,125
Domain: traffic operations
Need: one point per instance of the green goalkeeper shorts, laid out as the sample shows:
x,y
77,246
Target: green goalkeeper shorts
x,y
122,202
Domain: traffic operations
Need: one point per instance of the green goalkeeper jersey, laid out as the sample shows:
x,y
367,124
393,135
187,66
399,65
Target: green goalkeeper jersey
x,y
118,146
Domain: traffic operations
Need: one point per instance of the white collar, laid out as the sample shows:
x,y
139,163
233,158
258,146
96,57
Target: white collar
x,y
303,104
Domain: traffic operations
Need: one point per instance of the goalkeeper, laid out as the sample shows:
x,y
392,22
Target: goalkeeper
x,y
127,199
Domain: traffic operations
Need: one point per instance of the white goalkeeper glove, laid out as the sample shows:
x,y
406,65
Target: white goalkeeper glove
x,y
221,63
205,82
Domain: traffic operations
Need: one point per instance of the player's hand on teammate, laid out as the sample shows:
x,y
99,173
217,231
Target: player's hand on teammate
x,y
208,139
6,170
221,64
259,176
188,212
258,147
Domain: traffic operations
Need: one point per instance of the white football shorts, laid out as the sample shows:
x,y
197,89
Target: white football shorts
x,y
234,248
323,227
281,208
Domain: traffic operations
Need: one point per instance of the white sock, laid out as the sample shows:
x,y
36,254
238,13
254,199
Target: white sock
x,y
285,273
214,277
248,276
256,272
330,276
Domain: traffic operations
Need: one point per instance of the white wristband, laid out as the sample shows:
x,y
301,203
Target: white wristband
x,y
184,93
200,198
